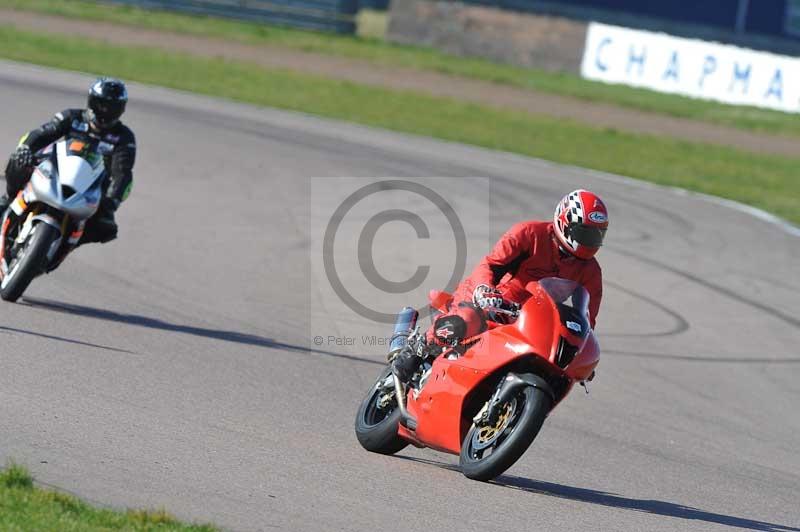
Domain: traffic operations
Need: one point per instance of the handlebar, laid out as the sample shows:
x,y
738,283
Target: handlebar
x,y
509,308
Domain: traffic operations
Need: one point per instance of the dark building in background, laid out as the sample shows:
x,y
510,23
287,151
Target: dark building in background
x,y
716,13
551,34
774,17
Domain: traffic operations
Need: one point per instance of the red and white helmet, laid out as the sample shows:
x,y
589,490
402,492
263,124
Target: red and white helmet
x,y
580,223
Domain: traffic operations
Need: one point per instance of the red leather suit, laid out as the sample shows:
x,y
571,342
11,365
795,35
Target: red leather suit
x,y
527,252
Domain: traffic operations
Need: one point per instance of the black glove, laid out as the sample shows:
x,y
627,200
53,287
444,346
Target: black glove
x,y
22,157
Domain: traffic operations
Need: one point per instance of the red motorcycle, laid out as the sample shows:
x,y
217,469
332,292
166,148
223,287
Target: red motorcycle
x,y
485,398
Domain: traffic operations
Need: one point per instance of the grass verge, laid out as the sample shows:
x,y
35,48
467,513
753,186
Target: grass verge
x,y
768,182
377,51
25,507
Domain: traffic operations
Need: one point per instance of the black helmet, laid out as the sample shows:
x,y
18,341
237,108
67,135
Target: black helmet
x,y
107,100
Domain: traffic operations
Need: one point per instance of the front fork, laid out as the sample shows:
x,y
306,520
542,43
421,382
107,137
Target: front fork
x,y
14,216
71,243
506,390
11,218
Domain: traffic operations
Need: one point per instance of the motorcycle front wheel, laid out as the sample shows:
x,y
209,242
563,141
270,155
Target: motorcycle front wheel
x,y
487,451
29,262
376,425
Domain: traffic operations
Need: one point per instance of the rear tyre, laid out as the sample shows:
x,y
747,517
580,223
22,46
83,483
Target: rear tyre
x,y
486,457
30,261
376,427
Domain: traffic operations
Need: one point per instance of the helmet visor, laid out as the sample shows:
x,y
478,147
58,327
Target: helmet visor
x,y
587,235
107,111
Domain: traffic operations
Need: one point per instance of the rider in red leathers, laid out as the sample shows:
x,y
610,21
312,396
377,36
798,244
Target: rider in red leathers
x,y
529,251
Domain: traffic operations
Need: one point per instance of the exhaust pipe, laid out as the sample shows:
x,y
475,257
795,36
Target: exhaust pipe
x,y
406,419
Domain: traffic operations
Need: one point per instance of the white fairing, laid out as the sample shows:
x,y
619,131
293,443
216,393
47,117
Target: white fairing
x,y
83,178
76,171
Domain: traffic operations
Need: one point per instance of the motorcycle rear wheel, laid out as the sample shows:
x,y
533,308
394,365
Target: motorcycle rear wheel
x,y
530,408
22,270
376,428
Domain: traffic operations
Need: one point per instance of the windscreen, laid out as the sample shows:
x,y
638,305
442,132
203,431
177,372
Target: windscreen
x,y
572,301
85,149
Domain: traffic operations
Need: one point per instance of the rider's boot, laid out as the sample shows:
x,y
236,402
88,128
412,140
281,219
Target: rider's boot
x,y
405,364
102,228
447,331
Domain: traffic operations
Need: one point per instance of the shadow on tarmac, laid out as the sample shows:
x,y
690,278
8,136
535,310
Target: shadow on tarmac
x,y
155,323
704,358
612,500
651,506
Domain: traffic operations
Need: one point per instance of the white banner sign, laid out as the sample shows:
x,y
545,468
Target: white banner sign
x,y
691,67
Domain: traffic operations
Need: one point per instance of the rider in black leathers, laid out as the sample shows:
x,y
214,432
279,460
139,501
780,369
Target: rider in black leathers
x,y
100,120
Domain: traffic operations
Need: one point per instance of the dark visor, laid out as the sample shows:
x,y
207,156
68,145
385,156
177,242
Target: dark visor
x,y
587,235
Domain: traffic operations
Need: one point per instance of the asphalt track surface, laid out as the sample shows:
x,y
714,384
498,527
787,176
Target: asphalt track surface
x,y
174,367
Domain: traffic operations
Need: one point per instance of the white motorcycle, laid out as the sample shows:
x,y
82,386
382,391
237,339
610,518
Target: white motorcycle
x,y
46,220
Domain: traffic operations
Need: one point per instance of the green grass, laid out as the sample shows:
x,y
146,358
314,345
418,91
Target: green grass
x,y
769,182
24,507
379,52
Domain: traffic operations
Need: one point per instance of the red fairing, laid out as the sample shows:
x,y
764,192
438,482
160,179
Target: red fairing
x,y
539,324
439,406
546,313
583,365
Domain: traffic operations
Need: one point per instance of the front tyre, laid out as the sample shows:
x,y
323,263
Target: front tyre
x,y
378,418
29,262
488,451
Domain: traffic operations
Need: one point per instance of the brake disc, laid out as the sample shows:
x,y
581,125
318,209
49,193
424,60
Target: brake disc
x,y
486,435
